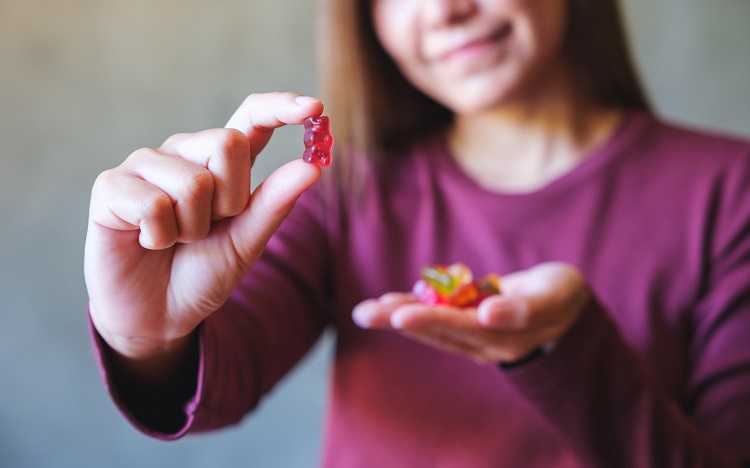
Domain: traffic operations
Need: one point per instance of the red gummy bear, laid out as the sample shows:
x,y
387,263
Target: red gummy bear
x,y
318,141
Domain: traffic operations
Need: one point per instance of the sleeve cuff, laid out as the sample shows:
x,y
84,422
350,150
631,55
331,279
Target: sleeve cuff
x,y
166,416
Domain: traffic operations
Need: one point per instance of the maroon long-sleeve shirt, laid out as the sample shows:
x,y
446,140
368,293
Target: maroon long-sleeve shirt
x,y
656,371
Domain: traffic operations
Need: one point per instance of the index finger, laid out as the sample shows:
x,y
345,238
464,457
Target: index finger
x,y
261,113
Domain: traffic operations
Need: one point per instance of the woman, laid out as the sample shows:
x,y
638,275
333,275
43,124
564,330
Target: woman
x,y
507,134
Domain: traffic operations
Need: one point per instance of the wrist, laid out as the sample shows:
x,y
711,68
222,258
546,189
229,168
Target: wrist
x,y
535,354
132,341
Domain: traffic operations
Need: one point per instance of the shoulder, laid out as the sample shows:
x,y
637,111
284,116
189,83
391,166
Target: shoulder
x,y
677,157
687,142
708,170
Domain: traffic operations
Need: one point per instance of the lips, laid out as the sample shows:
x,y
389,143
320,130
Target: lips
x,y
475,44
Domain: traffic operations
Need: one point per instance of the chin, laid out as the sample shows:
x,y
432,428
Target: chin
x,y
481,102
484,95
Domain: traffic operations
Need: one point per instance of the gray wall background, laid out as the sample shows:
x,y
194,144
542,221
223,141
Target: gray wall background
x,y
83,83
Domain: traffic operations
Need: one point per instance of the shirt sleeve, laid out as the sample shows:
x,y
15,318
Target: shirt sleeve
x,y
269,323
602,395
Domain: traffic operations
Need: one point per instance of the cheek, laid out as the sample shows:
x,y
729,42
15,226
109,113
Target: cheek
x,y
391,21
548,21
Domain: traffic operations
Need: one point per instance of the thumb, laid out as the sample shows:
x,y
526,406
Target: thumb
x,y
547,294
269,205
504,313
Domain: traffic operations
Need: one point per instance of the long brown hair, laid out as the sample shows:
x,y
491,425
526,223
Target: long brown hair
x,y
374,109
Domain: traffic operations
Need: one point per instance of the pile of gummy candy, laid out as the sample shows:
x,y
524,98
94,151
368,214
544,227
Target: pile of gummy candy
x,y
454,285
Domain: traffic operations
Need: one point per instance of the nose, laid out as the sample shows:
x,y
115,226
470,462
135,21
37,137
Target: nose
x,y
446,12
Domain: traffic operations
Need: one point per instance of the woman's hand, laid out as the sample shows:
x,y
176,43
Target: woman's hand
x,y
174,229
535,308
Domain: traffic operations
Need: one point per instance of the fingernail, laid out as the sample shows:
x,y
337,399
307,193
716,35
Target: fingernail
x,y
360,318
305,100
397,321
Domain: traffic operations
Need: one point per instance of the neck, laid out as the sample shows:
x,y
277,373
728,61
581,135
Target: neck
x,y
522,147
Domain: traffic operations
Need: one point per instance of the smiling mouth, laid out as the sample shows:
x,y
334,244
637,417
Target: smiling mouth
x,y
478,45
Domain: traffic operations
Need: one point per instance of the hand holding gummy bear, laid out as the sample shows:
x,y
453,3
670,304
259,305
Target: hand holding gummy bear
x,y
174,229
531,309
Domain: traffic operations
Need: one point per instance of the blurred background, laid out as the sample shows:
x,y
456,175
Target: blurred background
x,y
83,83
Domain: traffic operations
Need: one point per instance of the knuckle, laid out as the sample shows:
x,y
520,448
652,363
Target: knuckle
x,y
286,96
107,178
140,154
171,140
197,184
232,142
157,208
251,99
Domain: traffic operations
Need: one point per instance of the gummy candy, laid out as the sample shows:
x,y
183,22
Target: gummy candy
x,y
454,285
318,141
